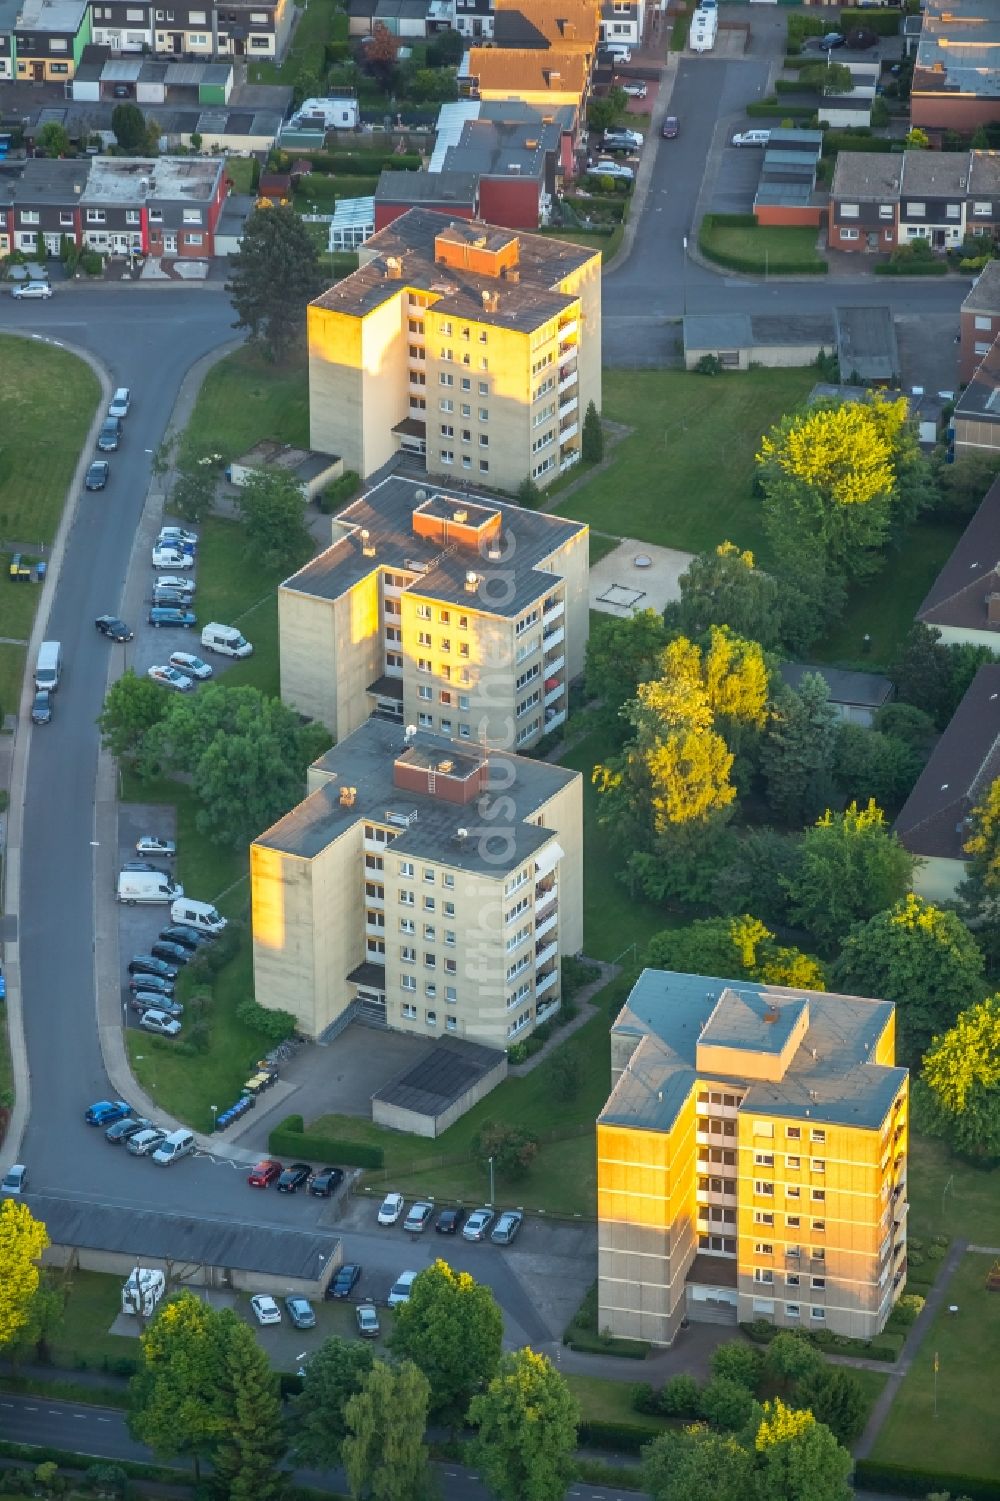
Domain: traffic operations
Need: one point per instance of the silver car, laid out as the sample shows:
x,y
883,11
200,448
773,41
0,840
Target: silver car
x,y
145,1142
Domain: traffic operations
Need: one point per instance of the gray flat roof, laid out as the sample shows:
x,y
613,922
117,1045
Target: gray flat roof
x,y
869,690
424,824
386,513
957,50
448,1071
217,1241
717,331
427,187
829,1079
866,343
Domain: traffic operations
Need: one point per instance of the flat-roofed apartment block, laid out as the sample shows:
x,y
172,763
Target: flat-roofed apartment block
x,y
474,348
428,886
751,1160
460,615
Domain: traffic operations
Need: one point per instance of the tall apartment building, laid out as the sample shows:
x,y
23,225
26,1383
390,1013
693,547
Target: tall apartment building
x,y
460,615
475,348
428,886
751,1160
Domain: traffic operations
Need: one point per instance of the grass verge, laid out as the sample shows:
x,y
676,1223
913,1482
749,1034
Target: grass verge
x,y
937,1423
604,1401
675,452
234,587
244,399
949,1197
760,250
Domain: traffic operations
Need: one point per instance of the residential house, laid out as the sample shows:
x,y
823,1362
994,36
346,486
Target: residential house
x,y
935,821
751,1160
864,200
124,25
623,21
429,887
407,20
466,617
453,193
882,199
955,72
41,205
475,348
533,75
474,19
963,603
979,321
49,38
565,25
9,12
976,419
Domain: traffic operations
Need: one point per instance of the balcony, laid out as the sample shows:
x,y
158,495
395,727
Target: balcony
x,y
556,664
712,1196
554,693
545,891
374,930
553,611
567,462
554,638
544,952
376,903
568,377
545,982
543,1013
567,433
546,925
554,718
568,329
570,405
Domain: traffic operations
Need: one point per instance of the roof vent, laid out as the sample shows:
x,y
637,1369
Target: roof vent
x,y
460,517
659,1095
471,582
815,1053
393,267
772,1014
445,767
348,797
409,732
420,495
491,300
461,835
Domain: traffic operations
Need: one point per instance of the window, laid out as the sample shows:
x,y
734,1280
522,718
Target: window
x,y
429,874
792,1221
484,466
817,1164
818,1137
446,404
818,1314
953,211
423,612
763,1217
819,1195
763,1247
793,1164
484,414
430,961
192,239
428,906
446,379
466,409
763,1159
984,323
451,1024
916,210
982,210
448,880
792,1192
465,732
425,692
792,1310
425,721
792,1279
763,1190
407,925
763,1274
408,955
886,211
849,211
447,431
450,993
983,348
817,1253
94,216
192,216
484,441
66,218
132,216
466,383
408,982
447,456
409,1012
484,388
818,1284
793,1133
449,937
405,898
848,234
818,1226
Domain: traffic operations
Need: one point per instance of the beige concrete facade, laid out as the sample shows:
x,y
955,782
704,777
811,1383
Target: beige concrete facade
x,y
457,931
380,627
748,1194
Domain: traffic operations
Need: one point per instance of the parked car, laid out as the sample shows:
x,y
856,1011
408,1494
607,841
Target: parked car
x,y
633,88
173,953
169,599
616,170
400,1290
97,475
671,128
120,402
169,615
266,1310
31,289
265,1173
169,677
105,1112
300,1311
391,1209
189,938
151,984
160,1023
130,1125
345,1280
15,1179
171,557
113,628
154,1000
41,707
752,138
418,1218
506,1227
110,436
623,139
368,1324
180,581
144,1142
152,844
477,1224
832,40
193,666
148,964
177,536
449,1221
326,1181
292,1178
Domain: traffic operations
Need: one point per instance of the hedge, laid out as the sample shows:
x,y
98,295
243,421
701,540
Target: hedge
x,y
886,1347
596,1344
783,110
882,22
911,268
595,1472
356,164
905,1480
621,1438
290,1139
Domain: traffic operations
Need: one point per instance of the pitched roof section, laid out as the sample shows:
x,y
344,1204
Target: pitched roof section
x,y
966,759
985,294
570,24
960,594
868,176
523,70
980,401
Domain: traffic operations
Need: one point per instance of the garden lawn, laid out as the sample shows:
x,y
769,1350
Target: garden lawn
x,y
684,477
604,1401
238,590
323,21
949,1197
959,1438
93,1303
243,399
884,609
242,173
612,918
761,249
12,662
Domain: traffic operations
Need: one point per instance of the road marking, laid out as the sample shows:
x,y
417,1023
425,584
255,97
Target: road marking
x,y
31,1409
104,1420
6,1404
81,1416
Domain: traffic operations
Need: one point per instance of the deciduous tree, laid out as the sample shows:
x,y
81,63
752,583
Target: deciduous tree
x,y
725,587
526,1421
695,1462
192,494
923,959
53,139
132,707
621,654
738,948
512,1148
835,1398
384,1453
175,1399
452,1330
827,78
789,1358
22,1241
381,53
607,111
983,844
272,509
275,273
870,764
798,1459
738,1361
129,126
727,1404
336,1372
961,1081
248,1457
852,866
797,750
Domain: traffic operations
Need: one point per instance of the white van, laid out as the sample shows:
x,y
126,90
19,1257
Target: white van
x,y
226,640
175,1146
201,915
619,52
49,666
147,886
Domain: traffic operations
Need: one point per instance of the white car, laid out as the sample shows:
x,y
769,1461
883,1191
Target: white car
x,y
171,581
152,844
391,1209
176,536
634,90
193,666
160,1023
16,1179
171,557
31,289
400,1290
265,1309
608,168
169,677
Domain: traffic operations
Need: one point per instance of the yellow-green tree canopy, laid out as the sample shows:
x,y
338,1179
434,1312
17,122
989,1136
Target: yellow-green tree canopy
x,y
22,1241
961,1075
846,452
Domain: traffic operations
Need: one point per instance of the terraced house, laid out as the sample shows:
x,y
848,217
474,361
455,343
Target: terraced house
x,y
426,886
752,1160
48,40
881,199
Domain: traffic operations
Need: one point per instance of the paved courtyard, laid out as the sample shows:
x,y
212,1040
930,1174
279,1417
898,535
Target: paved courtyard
x,y
637,576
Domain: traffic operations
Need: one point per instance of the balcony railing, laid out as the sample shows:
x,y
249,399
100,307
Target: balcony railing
x,y
568,460
544,952
569,432
570,405
554,718
554,664
546,981
546,925
553,611
555,693
554,638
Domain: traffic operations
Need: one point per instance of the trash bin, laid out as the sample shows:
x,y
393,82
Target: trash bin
x,y
40,569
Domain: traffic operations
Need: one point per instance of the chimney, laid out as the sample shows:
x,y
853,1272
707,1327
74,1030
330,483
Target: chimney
x,y
393,268
471,582
367,546
993,609
772,1014
348,795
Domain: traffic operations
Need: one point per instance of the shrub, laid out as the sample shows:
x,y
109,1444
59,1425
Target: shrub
x,y
726,1404
623,1438
288,1139
680,1397
709,364
737,1361
882,22
906,1311
576,973
644,1398
761,1331
341,491
274,1026
789,1357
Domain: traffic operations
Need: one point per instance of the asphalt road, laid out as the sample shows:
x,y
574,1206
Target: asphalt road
x,y
101,1433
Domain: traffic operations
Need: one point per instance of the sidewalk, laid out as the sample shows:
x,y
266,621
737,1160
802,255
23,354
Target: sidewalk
x,y
582,999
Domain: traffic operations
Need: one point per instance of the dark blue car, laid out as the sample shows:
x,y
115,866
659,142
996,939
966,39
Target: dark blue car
x,y
170,615
106,1112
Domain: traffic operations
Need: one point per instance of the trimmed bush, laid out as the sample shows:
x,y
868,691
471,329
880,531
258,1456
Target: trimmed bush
x,y
912,268
781,108
904,1480
288,1139
680,1397
737,1361
620,1438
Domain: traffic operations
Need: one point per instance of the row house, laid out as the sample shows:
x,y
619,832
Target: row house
x,y
879,200
979,321
47,40
623,21
205,30
474,19
163,206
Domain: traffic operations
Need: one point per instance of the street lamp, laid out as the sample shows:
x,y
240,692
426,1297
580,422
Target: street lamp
x,y
492,1185
215,1111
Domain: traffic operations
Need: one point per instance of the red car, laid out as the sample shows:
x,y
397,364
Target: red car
x,y
265,1173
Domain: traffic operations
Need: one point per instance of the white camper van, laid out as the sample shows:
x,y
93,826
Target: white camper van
x,y
48,668
143,1290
